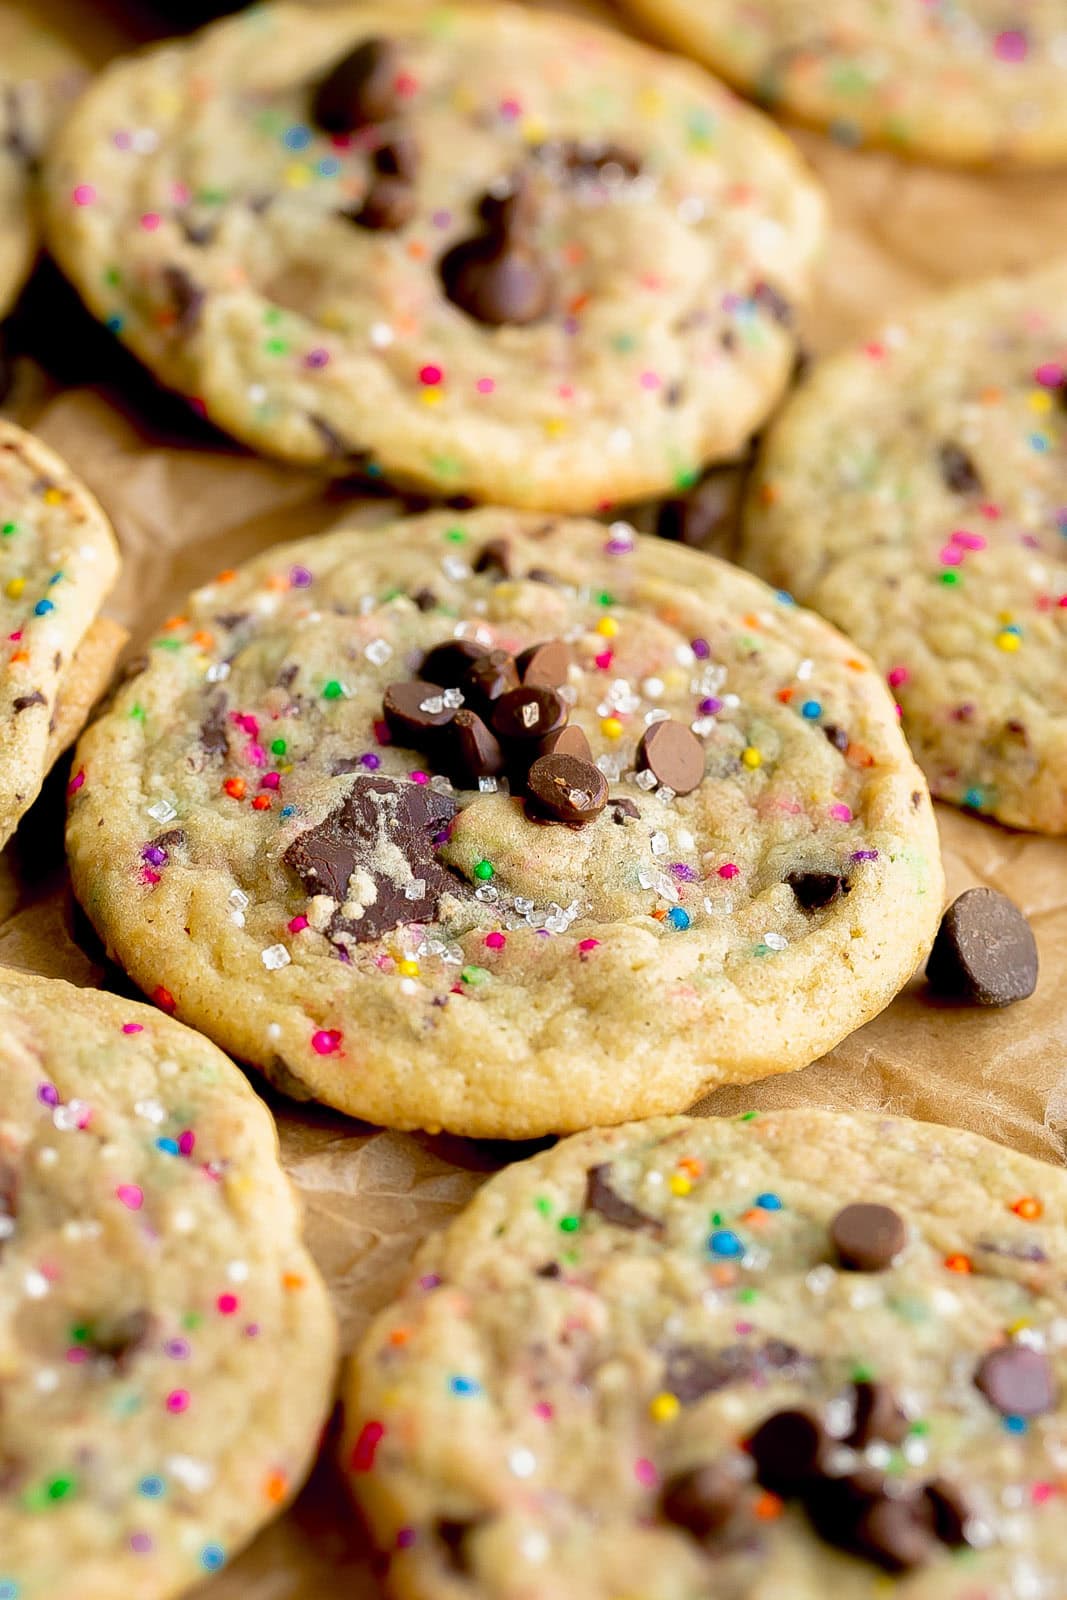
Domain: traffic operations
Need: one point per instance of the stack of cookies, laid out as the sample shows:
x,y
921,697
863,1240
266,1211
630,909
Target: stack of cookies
x,y
506,820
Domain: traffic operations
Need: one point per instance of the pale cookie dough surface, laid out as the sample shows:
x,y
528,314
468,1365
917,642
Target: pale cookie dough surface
x,y
167,1347
514,1421
38,76
557,976
914,492
961,81
58,562
199,209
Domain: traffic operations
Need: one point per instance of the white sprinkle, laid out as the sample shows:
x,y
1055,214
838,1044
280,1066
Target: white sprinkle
x,y
658,715
218,672
150,1110
162,811
487,785
619,441
35,1285
415,889
775,941
691,209
659,844
67,1118
408,986
819,1279
237,1271
522,1463
47,1157
454,568
378,651
275,956
703,726
257,393
144,141
684,656
274,1030
197,1476
381,335
652,688
804,670
183,1221
7,1226
46,1380
665,887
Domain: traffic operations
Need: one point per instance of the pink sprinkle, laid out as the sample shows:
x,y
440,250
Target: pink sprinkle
x,y
133,1027
1062,601
1042,1492
256,755
1049,375
875,350
588,944
1011,45
76,782
270,781
730,870
968,541
148,876
419,777
178,1401
645,1472
604,659
566,391
131,1196
186,1142
485,385
430,375
495,941
543,1409
510,109
841,813
896,676
227,1304
366,1447
950,556
179,193
991,513
76,1356
84,194
326,1041
297,925
151,221
246,723
651,380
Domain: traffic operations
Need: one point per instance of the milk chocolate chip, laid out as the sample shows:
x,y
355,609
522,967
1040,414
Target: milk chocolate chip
x,y
416,712
673,754
985,951
360,89
566,789
867,1237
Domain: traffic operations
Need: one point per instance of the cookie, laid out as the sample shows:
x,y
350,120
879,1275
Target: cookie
x,y
39,76
58,561
488,252
796,1354
914,492
974,82
168,1345
503,825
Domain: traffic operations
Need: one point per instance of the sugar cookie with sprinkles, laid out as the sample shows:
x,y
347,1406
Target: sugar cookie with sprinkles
x,y
169,1347
970,82
58,562
482,250
506,825
915,492
801,1354
39,75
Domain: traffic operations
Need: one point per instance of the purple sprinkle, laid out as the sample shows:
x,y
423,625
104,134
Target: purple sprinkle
x,y
300,577
711,706
701,649
864,855
317,358
177,1349
571,325
48,1094
252,1330
140,1543
1030,541
430,1281
370,761
405,1538
122,140
441,219
618,547
680,870
154,855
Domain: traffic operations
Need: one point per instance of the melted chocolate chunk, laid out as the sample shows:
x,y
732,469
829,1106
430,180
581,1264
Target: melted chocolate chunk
x,y
673,754
957,469
876,1416
868,1237
603,1199
815,891
495,556
497,280
416,713
187,297
789,1450
214,740
388,205
566,789
985,952
1018,1381
360,89
449,663
710,513
691,1372
703,1500
23,702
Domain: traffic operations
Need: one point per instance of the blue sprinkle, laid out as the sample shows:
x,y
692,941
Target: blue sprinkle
x,y
168,1146
212,1557
678,918
973,798
288,811
9,1589
115,324
1038,442
54,579
373,469
1016,1424
725,1243
769,1202
464,1386
43,607
152,1487
811,709
784,598
297,138
329,167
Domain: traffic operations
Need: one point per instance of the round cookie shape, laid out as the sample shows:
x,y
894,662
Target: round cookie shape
x,y
634,1365
913,492
39,74
169,1346
332,902
58,562
484,250
976,82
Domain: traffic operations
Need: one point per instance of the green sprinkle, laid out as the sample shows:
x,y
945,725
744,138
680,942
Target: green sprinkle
x,y
543,1205
332,690
862,1374
748,1116
60,1488
168,644
191,1319
278,747
80,1333
212,197
570,1224
623,342
113,277
137,713
919,1428
484,870
8,528
949,578
455,535
273,316
717,1219
277,347
747,1297
571,1258
474,975
687,478
605,599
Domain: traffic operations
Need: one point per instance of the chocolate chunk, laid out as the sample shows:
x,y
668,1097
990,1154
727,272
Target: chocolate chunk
x,y
789,1450
772,301
172,839
837,737
691,1372
187,296
868,1237
815,891
566,789
214,739
877,1416
388,206
452,1535
894,1534
526,716
703,1500
949,1511
425,599
551,1269
489,677
449,663
495,556
985,952
624,810
569,741
673,754
590,160
708,513
835,1505
603,1199
377,814
399,158
119,1339
957,469
360,89
416,713
474,751
511,212
547,663
1017,1381
340,448
23,702
497,279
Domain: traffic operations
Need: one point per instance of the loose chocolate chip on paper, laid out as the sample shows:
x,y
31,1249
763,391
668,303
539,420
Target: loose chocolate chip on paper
x,y
360,89
814,891
985,952
528,714
474,750
416,713
1017,1381
449,663
877,1415
704,1499
789,1450
673,754
958,471
602,1198
566,789
547,663
868,1237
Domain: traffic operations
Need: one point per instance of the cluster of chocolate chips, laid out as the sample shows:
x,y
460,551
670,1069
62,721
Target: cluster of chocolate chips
x,y
361,92
497,275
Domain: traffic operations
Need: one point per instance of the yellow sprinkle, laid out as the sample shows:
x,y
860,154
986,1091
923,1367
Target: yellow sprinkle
x,y
1005,617
674,678
664,1407
1040,400
611,728
680,1185
751,757
1017,1327
408,969
297,175
53,497
650,103
1008,641
533,131
608,627
430,396
15,588
554,426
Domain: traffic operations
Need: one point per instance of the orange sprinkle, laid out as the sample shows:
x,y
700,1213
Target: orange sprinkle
x,y
769,494
227,576
751,620
857,755
204,640
399,1336
277,580
785,695
235,788
959,1263
768,1506
293,1280
261,803
1028,1207
19,655
756,1218
991,397
175,622
857,666
659,915
693,1166
724,1276
276,1487
417,250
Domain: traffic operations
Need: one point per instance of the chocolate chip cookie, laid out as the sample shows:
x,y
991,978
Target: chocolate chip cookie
x,y
797,1354
506,825
483,250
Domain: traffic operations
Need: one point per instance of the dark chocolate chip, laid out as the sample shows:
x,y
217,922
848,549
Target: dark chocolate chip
x,y
589,160
624,810
985,951
868,1237
214,738
566,789
495,556
893,1533
360,89
187,297
449,663
474,751
546,663
551,1269
497,279
527,715
673,754
703,1500
708,513
815,891
451,1535
957,469
416,713
837,736
569,741
119,1339
425,599
691,1372
876,1416
835,1505
1017,1381
388,206
488,678
602,1198
949,1511
772,301
510,212
789,1451
23,702
398,159
340,448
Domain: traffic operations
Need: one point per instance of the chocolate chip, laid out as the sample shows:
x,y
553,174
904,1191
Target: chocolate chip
x,y
957,469
789,1450
1017,1381
511,212
673,754
488,678
497,279
495,556
425,599
449,663
388,206
837,737
868,1237
708,513
187,297
569,741
23,702
360,89
528,714
551,1269
589,160
814,891
602,1198
624,810
172,839
566,789
474,751
949,1511
119,1339
546,663
876,1416
691,1372
772,301
985,952
340,448
452,1535
213,734
893,1534
399,158
416,713
703,1500
835,1504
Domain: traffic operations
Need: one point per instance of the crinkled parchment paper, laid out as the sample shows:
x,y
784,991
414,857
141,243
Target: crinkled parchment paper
x,y
185,504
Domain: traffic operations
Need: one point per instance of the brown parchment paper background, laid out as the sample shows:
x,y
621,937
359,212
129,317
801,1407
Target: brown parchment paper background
x,y
186,504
